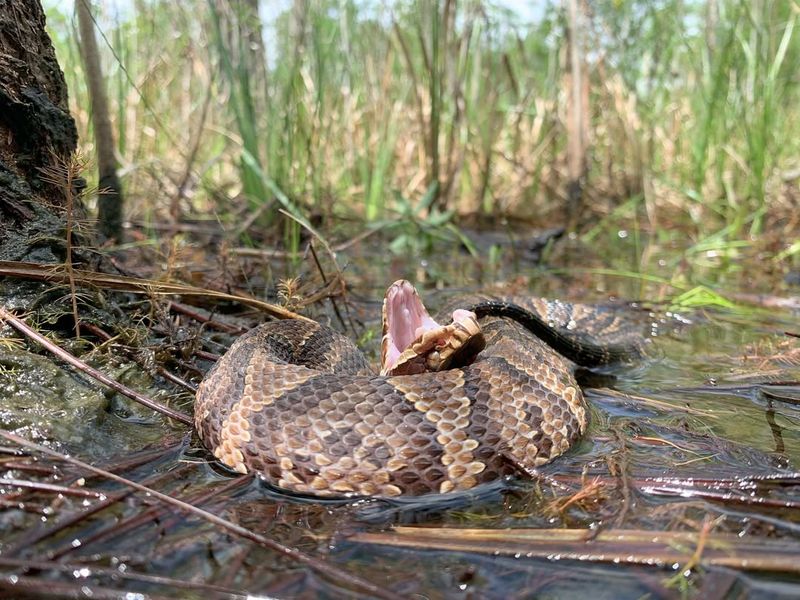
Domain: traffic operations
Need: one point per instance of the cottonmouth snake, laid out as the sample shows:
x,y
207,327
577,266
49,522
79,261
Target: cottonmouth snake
x,y
298,403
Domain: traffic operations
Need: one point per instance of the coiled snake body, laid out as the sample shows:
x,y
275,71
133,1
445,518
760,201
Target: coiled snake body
x,y
298,403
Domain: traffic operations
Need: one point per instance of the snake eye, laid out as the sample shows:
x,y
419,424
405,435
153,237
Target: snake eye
x,y
434,360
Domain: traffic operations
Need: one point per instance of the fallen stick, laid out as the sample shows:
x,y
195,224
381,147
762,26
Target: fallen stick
x,y
23,328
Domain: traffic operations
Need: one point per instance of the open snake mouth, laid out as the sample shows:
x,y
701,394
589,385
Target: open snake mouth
x,y
414,343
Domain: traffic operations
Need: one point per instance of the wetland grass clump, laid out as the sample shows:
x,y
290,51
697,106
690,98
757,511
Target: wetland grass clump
x,y
342,111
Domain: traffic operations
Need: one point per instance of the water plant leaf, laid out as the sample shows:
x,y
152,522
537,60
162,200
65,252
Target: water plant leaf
x,y
701,297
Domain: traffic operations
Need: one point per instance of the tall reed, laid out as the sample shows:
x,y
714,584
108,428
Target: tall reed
x,y
328,108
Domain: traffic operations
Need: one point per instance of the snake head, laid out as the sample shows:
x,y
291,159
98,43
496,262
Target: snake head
x,y
414,343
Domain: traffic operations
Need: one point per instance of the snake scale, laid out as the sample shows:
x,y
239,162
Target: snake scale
x,y
297,402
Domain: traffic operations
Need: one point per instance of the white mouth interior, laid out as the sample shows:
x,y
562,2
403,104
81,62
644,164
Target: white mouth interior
x,y
406,321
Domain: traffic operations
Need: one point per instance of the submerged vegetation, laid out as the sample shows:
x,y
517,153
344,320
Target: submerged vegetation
x,y
358,111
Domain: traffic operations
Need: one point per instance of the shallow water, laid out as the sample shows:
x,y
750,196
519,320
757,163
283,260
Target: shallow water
x,y
703,430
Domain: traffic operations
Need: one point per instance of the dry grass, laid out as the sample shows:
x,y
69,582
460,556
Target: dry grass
x,y
351,107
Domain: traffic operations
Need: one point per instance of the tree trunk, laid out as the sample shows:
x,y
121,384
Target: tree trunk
x,y
577,89
109,195
37,135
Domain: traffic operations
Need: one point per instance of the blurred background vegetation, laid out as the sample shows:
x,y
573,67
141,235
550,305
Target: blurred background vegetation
x,y
675,119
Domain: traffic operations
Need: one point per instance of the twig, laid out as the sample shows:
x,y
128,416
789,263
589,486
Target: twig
x,y
205,497
120,528
136,285
207,321
28,507
325,281
23,328
10,464
95,330
531,473
291,553
723,497
41,565
52,488
617,546
339,276
37,535
142,457
106,337
175,379
209,356
39,588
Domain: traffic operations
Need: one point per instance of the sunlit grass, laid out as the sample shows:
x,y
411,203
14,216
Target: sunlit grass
x,y
353,109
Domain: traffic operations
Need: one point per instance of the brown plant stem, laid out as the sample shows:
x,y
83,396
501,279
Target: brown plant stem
x,y
50,488
41,565
136,285
35,535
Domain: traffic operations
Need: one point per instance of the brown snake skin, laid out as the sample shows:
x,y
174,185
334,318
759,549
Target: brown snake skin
x,y
297,403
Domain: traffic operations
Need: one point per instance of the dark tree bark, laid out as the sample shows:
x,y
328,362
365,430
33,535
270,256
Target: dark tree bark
x,y
109,195
36,133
